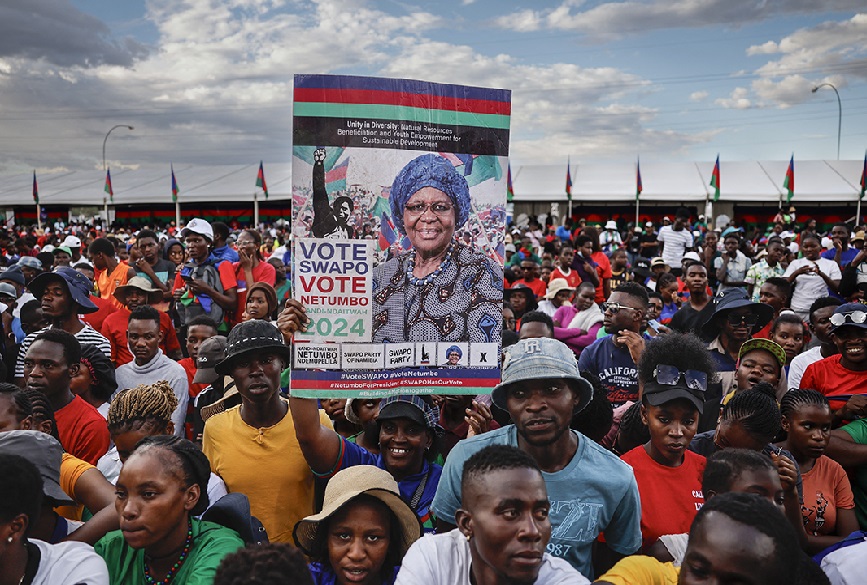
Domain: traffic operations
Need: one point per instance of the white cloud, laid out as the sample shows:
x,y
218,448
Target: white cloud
x,y
698,96
737,101
621,18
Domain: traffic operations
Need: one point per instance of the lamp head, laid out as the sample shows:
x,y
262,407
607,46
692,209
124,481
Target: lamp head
x,y
815,89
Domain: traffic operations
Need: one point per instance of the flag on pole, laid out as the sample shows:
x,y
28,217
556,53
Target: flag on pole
x,y
260,180
108,188
863,178
510,192
35,189
789,182
568,181
638,186
714,179
174,187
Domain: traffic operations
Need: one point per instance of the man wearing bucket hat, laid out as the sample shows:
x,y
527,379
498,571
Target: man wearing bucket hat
x,y
367,501
733,322
138,292
559,293
261,430
542,389
610,238
844,374
63,294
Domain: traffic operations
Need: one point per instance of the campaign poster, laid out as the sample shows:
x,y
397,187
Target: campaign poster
x,y
398,216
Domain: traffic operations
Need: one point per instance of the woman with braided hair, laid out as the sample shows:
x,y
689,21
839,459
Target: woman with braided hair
x,y
160,490
136,414
829,506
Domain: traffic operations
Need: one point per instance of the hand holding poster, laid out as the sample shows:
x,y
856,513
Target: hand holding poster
x,y
398,210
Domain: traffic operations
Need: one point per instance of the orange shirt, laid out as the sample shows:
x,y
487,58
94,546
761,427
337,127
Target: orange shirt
x,y
826,489
108,283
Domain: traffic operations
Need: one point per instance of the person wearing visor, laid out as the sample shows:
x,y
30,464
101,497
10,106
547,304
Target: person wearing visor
x,y
408,437
672,379
732,324
842,378
542,390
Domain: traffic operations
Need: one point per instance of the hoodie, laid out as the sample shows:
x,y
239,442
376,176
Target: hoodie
x,y
161,367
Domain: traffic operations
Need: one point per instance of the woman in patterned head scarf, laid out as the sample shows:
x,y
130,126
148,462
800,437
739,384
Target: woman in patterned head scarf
x,y
440,288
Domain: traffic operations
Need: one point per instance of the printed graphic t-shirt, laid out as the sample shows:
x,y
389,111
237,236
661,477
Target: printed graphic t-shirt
x,y
614,367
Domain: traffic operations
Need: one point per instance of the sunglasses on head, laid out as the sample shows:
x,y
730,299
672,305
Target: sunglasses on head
x,y
670,376
856,317
749,320
615,307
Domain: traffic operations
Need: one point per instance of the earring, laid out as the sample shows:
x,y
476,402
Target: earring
x,y
9,540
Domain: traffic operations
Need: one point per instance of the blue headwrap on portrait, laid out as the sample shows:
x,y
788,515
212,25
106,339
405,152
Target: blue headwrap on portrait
x,y
454,349
429,170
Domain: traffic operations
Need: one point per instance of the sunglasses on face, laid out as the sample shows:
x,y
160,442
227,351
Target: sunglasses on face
x,y
857,317
615,307
748,320
670,376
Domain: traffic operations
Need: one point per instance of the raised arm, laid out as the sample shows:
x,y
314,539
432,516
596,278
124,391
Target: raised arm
x,y
320,445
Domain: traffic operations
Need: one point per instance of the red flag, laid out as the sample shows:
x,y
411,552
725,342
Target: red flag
x,y
510,193
789,182
638,186
175,189
35,189
108,188
714,179
260,180
568,181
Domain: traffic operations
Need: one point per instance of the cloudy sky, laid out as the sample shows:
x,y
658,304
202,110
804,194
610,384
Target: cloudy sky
x,y
210,81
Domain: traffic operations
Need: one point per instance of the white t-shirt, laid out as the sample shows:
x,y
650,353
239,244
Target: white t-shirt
x,y
799,365
69,563
809,287
674,244
444,559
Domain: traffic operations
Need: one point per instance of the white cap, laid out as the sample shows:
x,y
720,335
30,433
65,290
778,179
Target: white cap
x,y
611,225
199,226
827,242
785,235
648,224
692,256
72,242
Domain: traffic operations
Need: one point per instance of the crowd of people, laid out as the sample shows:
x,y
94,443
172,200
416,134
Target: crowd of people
x,y
686,405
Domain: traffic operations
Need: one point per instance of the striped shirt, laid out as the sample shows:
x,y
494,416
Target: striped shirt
x,y
675,244
86,335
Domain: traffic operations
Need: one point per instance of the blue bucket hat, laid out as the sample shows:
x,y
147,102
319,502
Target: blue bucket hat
x,y
78,285
539,359
429,170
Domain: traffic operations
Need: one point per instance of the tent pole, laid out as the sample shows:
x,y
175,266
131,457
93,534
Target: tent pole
x,y
637,222
858,213
39,216
178,215
255,210
105,210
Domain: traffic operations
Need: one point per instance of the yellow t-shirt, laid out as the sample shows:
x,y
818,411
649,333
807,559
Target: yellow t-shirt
x,y
264,464
71,469
641,570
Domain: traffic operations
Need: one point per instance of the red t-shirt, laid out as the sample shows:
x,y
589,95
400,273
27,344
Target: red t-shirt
x,y
604,270
189,365
829,377
114,329
538,286
82,430
670,496
264,272
572,278
227,279
96,319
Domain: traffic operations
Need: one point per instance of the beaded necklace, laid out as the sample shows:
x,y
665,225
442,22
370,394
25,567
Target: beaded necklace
x,y
410,266
177,566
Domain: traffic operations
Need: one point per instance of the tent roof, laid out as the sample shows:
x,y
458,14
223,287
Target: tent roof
x,y
742,181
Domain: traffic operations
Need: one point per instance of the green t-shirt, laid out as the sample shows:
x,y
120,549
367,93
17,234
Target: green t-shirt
x,y
858,431
211,542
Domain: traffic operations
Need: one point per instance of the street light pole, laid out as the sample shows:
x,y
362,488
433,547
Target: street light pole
x,y
104,167
839,112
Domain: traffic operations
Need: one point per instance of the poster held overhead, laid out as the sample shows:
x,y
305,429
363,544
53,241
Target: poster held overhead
x,y
399,193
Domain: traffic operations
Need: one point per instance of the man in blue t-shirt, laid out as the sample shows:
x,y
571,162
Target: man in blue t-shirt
x,y
591,490
840,237
612,358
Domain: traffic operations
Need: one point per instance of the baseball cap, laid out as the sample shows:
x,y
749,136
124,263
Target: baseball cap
x,y
211,351
199,226
72,242
8,291
849,315
648,224
13,274
409,406
44,452
692,256
669,383
540,359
